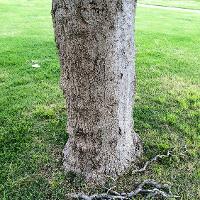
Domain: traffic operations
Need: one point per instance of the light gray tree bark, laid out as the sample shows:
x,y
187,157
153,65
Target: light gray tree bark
x,y
95,39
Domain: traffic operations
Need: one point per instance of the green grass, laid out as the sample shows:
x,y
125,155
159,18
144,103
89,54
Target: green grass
x,y
190,4
32,109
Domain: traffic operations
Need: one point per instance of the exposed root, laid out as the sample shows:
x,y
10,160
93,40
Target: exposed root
x,y
151,161
148,188
156,190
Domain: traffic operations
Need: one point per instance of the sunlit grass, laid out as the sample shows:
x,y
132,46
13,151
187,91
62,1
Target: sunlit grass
x,y
188,4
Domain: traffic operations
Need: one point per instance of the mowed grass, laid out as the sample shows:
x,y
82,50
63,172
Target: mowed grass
x,y
32,108
189,4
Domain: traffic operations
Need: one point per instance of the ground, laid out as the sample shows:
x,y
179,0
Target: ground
x,y
32,113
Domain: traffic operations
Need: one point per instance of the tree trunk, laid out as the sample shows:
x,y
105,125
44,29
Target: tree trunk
x,y
95,39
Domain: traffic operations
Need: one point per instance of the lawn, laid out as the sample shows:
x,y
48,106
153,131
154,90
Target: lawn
x,y
189,4
32,108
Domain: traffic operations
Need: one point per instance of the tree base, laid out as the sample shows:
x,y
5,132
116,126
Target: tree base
x,y
99,163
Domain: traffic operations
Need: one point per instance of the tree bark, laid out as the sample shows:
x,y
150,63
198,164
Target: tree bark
x,y
95,39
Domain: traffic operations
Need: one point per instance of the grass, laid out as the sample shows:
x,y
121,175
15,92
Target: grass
x,y
32,109
189,4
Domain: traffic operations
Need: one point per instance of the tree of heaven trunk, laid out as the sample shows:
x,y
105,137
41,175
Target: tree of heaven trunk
x,y
95,39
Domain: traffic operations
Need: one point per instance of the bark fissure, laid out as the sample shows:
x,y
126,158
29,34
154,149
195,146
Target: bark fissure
x,y
95,39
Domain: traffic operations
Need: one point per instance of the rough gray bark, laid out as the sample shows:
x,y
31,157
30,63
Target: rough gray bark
x,y
95,39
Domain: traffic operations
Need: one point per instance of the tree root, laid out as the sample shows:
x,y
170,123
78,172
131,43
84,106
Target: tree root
x,y
148,188
158,190
151,161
